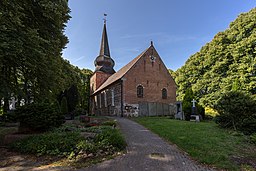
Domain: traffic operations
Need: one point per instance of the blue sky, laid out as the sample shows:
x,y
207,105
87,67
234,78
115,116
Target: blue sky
x,y
178,28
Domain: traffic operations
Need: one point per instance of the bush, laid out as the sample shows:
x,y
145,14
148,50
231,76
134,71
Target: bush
x,y
62,143
111,137
39,117
109,123
53,143
253,138
238,111
79,111
186,103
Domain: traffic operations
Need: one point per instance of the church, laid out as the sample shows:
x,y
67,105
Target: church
x,y
143,87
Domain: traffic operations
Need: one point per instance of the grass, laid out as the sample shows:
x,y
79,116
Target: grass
x,y
205,142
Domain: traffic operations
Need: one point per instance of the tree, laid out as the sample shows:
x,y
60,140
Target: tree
x,y
227,62
237,110
31,40
186,103
72,98
64,106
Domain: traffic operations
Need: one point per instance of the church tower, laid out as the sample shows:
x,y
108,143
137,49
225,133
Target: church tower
x,y
103,63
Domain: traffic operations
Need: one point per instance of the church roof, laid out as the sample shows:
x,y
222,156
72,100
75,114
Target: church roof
x,y
119,74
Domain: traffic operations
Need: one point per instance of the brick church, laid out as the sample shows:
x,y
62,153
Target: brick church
x,y
143,87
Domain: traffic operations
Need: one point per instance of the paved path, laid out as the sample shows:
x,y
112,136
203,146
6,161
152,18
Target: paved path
x,y
147,152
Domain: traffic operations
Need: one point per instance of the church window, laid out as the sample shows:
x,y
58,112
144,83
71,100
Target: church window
x,y
159,67
95,100
105,98
140,91
164,93
112,98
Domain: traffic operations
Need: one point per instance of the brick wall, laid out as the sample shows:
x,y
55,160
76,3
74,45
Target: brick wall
x,y
153,77
97,79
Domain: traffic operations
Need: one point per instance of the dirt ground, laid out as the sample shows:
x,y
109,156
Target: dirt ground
x,y
12,161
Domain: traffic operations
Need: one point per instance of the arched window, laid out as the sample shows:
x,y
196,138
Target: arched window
x,y
140,91
164,93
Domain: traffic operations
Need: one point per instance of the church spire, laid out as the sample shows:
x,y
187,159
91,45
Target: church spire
x,y
104,48
104,62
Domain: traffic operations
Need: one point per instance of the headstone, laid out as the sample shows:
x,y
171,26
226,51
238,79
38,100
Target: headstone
x,y
193,107
194,116
12,103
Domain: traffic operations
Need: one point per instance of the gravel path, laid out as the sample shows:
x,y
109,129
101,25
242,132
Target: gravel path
x,y
147,152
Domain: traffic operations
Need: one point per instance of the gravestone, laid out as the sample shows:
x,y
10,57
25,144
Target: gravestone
x,y
12,103
194,116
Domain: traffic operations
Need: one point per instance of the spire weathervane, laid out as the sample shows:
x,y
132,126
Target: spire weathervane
x,y
105,18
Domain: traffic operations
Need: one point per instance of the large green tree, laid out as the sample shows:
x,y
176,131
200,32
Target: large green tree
x,y
31,41
227,62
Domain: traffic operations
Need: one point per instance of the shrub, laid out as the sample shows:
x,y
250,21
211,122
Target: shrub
x,y
211,112
52,143
238,111
186,103
79,111
109,123
71,144
39,117
253,138
111,137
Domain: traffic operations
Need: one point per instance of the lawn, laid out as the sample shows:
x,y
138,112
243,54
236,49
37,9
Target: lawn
x,y
205,142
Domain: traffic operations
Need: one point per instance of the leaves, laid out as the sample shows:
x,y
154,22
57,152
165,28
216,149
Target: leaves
x,y
224,63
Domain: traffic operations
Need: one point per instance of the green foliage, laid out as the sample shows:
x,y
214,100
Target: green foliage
x,y
67,141
31,41
211,112
226,63
186,103
64,106
111,137
110,123
72,98
253,138
52,143
39,117
238,111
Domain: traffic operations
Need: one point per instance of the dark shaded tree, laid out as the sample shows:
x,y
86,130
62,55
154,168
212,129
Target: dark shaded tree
x,y
31,40
237,111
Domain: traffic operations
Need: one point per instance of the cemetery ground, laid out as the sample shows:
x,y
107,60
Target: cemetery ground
x,y
206,142
78,143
